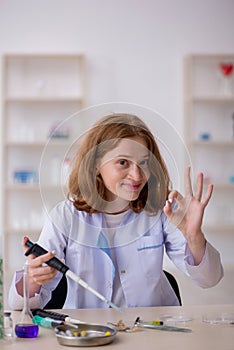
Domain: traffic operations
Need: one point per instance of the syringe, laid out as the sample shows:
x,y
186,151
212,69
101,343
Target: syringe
x,y
37,250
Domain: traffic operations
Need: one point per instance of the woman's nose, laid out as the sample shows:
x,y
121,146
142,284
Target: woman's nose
x,y
135,172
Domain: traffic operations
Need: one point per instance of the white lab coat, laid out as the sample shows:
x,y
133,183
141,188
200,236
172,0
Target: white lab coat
x,y
139,245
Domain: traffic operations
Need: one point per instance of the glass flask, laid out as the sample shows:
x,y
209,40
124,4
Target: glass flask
x,y
24,327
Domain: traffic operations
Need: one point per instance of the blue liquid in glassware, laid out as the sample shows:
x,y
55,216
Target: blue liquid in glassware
x,y
23,330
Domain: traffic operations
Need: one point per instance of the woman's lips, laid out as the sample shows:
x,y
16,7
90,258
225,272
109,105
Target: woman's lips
x,y
132,187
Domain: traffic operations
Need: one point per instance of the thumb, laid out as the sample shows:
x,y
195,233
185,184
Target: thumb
x,y
167,208
25,239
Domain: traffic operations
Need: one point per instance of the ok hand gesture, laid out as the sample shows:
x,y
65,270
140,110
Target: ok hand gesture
x,y
188,214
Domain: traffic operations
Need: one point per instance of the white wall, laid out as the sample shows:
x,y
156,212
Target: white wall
x,y
135,48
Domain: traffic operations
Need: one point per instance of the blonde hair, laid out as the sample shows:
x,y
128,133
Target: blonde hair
x,y
86,188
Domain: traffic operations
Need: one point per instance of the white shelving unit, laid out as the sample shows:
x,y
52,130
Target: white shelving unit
x,y
209,129
40,94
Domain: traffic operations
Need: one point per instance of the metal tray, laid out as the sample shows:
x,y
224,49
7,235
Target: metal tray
x,y
95,334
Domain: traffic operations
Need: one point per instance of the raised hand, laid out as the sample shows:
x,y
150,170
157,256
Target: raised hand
x,y
188,213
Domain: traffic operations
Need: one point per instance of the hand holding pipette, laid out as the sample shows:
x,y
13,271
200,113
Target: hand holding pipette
x,y
37,250
39,272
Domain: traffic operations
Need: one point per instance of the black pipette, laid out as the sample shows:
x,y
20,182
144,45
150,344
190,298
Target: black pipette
x,y
53,315
37,250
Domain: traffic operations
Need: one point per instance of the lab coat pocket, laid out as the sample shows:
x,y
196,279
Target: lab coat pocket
x,y
150,252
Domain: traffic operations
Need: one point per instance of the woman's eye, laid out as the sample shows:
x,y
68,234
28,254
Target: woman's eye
x,y
144,163
123,162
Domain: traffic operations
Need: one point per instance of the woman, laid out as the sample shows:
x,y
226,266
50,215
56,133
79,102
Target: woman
x,y
119,217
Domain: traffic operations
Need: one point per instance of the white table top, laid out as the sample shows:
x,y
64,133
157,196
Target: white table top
x,y
203,336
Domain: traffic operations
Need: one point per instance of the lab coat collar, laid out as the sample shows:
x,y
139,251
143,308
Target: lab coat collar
x,y
132,227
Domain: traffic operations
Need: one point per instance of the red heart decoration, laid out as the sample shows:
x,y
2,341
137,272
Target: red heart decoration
x,y
226,68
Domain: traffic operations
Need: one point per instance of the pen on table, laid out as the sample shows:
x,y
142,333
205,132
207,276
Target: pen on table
x,y
162,327
154,322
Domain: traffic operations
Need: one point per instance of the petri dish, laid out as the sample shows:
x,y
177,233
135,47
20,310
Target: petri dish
x,y
175,319
218,318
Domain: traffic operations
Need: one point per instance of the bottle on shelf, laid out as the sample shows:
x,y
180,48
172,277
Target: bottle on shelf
x,y
25,176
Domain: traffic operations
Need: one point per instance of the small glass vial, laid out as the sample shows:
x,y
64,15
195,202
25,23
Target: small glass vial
x,y
8,325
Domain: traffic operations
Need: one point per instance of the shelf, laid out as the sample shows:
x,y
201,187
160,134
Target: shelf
x,y
49,99
213,143
224,186
32,187
23,231
22,187
211,56
219,228
212,99
38,56
209,134
219,186
40,94
39,144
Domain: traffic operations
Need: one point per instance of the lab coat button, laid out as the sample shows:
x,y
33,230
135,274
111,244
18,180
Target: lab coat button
x,y
123,271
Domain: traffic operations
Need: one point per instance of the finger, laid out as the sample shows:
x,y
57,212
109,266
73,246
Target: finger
x,y
36,272
25,247
175,195
25,239
40,260
199,187
43,275
41,271
208,195
167,209
188,184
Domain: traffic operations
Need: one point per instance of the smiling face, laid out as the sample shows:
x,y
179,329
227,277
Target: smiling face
x,y
117,165
124,170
